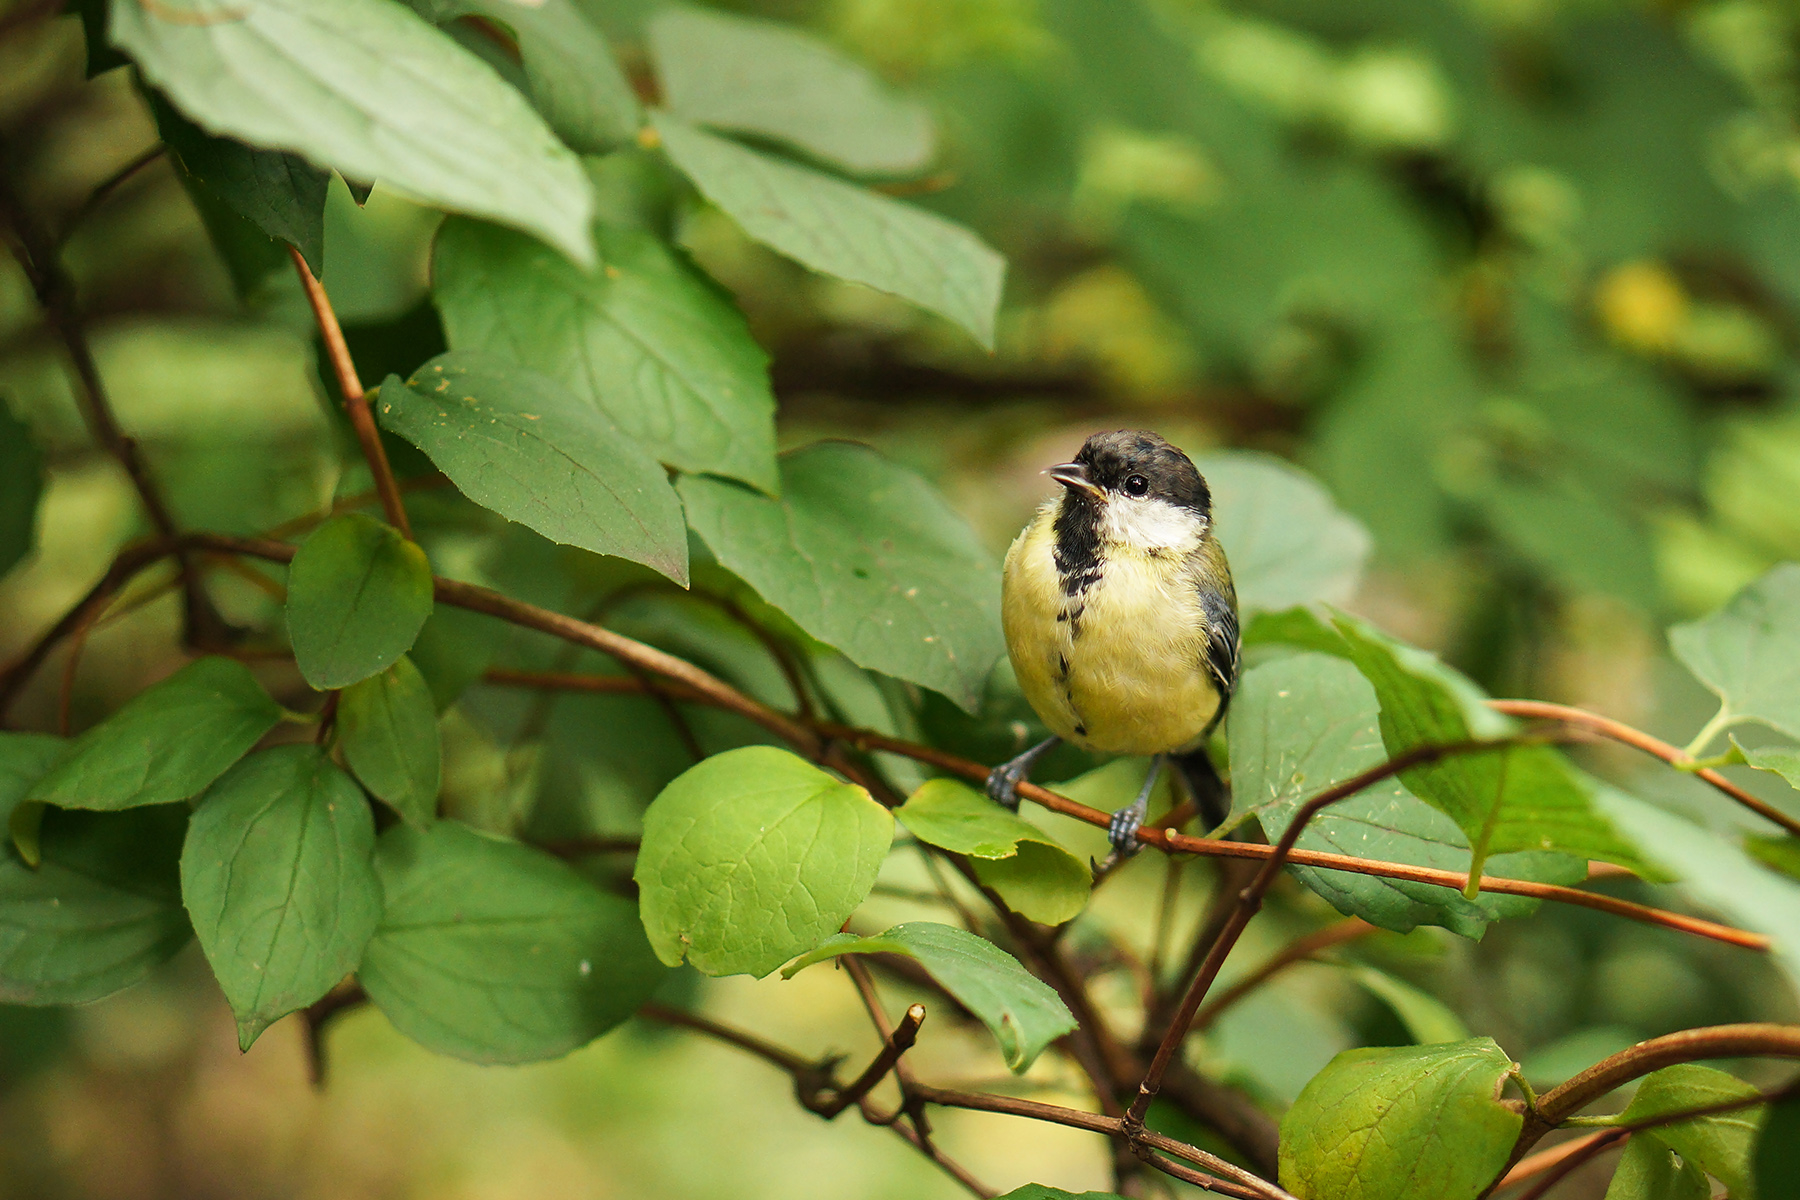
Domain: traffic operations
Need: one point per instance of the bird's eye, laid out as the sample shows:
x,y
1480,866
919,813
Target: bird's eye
x,y
1136,485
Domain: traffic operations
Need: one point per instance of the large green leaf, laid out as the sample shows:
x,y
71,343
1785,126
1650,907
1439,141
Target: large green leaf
x,y
387,727
21,485
656,347
167,743
570,72
494,952
277,875
1749,652
1287,541
99,913
1649,1170
525,447
754,856
1302,723
1721,1144
1022,1011
841,230
366,88
358,593
758,77
1025,866
1401,1123
866,556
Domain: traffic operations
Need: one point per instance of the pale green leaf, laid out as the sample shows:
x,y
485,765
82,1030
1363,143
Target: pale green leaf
x,y
277,875
866,556
837,229
641,336
358,592
759,77
1649,1170
1748,652
1043,881
1288,542
1777,760
1428,1019
1401,1123
498,953
754,856
525,447
1025,866
1023,1012
387,727
166,743
1721,1144
366,88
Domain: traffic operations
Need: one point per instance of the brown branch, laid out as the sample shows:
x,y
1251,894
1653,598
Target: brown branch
x,y
355,403
1298,951
346,995
1618,731
1544,1160
897,1043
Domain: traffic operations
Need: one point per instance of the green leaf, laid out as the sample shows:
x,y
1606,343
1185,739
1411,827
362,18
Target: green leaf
x,y
1777,1160
281,194
523,446
837,229
278,878
1039,1191
1287,541
1023,1012
1649,1170
387,726
497,953
1722,1144
1036,877
26,758
366,88
100,912
1780,853
358,593
167,743
754,856
1749,651
1716,873
1428,1019
1401,1123
1300,724
642,337
1777,760
21,486
758,77
909,591
570,72
453,650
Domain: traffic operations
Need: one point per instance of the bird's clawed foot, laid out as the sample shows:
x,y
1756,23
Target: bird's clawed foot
x,y
1003,781
1122,830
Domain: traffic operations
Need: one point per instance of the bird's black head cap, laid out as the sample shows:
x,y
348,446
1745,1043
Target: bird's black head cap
x,y
1136,462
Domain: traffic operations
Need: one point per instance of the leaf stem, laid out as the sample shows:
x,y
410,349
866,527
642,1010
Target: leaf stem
x,y
1721,721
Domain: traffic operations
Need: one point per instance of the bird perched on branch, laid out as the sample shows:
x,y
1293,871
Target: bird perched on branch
x,y
1121,619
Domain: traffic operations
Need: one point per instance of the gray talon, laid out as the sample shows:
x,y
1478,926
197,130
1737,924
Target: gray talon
x,y
1003,780
1122,830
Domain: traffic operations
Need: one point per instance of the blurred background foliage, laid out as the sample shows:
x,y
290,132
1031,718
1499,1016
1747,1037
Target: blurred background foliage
x,y
1518,279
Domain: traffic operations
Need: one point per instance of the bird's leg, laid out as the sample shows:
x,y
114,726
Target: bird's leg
x,y
1003,780
1122,831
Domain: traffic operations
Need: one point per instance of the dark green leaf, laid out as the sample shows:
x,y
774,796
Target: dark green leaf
x,y
1303,723
1287,541
525,447
1777,1160
1649,1170
21,485
657,348
1749,652
453,650
841,230
1428,1019
101,911
909,592
738,73
26,758
1022,1011
387,726
1036,877
1721,1144
357,594
167,743
498,953
368,89
1401,1123
277,875
281,194
570,72
754,856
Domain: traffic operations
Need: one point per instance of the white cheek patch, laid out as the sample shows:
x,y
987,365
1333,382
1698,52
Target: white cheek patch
x,y
1147,523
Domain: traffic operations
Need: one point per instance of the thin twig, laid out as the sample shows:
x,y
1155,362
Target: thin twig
x,y
897,1043
1298,951
1618,731
355,403
106,187
1536,1164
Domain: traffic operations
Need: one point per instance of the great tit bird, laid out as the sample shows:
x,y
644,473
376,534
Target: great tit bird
x,y
1121,619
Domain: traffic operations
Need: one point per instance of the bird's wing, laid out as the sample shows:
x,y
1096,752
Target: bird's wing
x,y
1223,640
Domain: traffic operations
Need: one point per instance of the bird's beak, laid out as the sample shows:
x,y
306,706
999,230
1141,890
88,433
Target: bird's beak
x,y
1074,475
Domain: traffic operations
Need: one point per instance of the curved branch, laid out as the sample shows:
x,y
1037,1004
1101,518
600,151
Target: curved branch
x,y
1751,1040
